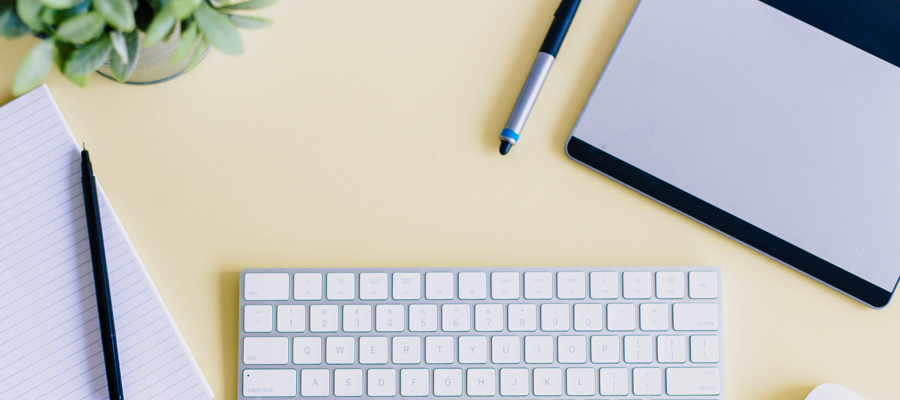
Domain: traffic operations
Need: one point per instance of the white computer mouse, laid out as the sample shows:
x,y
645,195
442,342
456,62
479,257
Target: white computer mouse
x,y
833,391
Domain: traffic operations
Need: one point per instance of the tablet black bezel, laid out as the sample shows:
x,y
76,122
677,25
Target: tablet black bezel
x,y
728,224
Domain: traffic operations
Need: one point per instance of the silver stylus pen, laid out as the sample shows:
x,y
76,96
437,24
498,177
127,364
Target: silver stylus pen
x,y
539,71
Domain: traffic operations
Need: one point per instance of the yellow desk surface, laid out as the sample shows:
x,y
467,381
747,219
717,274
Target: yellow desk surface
x,y
365,134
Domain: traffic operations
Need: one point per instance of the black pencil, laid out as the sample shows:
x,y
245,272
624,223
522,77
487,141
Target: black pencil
x,y
101,279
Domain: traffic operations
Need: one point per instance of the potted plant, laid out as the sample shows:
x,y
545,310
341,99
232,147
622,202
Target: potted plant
x,y
81,36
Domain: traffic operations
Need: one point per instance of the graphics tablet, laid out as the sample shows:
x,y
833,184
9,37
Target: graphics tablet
x,y
775,122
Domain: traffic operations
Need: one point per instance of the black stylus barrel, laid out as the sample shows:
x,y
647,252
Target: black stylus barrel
x,y
101,280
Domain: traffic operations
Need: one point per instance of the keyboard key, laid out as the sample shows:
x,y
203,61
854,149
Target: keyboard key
x,y
638,349
257,318
572,349
522,318
407,286
323,318
554,317
514,381
604,285
340,286
505,285
703,285
357,318
547,382
455,318
382,383
538,286
267,286
291,318
692,381
588,317
339,350
696,317
570,285
265,350
613,381
373,350
489,317
636,285
670,349
620,317
307,350
406,350
348,382
580,382
539,349
314,382
670,285
423,318
447,382
438,286
473,350
414,382
270,383
505,350
604,349
308,286
481,382
647,381
472,286
654,317
439,350
373,286
389,318
704,349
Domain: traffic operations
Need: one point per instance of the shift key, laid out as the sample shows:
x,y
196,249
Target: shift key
x,y
692,381
270,383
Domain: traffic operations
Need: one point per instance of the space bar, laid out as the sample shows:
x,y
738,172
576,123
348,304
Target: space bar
x,y
692,381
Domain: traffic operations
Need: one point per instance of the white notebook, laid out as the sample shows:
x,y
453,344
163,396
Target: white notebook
x,y
49,333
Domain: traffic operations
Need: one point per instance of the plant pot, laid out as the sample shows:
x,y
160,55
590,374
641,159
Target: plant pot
x,y
153,63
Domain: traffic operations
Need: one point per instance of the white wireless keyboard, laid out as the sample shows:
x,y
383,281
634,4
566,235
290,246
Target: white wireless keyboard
x,y
629,333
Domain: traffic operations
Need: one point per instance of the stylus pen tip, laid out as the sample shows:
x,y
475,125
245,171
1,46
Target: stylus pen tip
x,y
505,147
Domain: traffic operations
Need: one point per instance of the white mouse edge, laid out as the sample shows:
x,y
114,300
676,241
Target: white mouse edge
x,y
833,391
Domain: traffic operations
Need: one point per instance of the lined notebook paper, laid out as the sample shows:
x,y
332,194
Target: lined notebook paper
x,y
49,332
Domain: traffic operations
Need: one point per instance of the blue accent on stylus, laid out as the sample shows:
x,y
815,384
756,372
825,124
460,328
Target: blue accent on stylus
x,y
509,134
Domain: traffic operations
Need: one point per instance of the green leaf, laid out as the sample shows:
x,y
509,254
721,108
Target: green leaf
x,y
34,68
199,51
60,4
122,69
187,41
219,30
63,52
10,24
119,47
89,57
82,28
161,25
50,16
242,21
184,8
250,5
118,13
30,13
80,80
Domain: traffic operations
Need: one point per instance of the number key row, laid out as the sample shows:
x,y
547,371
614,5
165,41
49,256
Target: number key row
x,y
487,317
